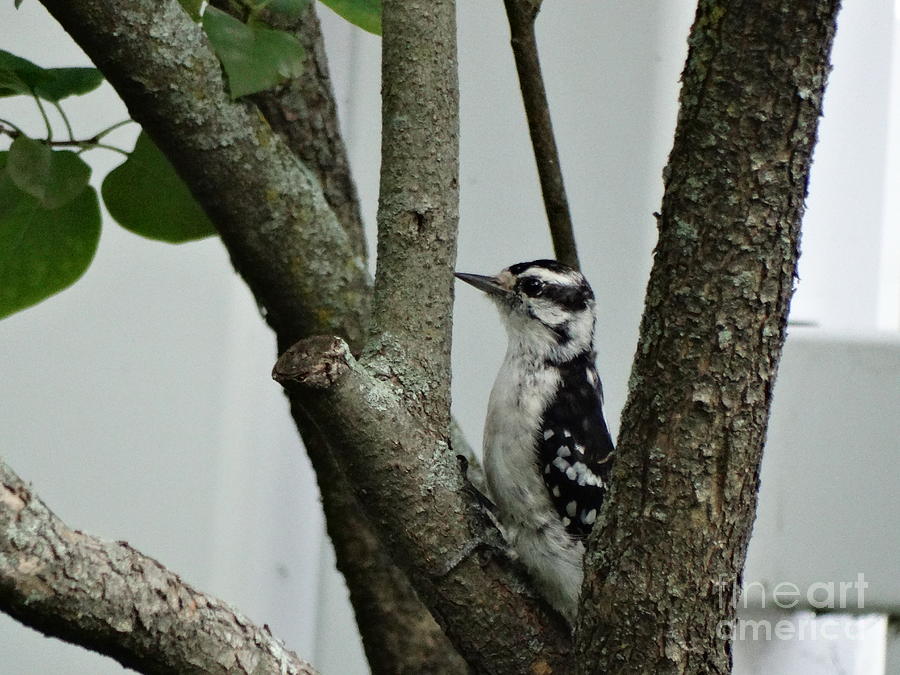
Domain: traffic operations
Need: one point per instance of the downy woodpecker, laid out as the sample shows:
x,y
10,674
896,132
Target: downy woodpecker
x,y
547,450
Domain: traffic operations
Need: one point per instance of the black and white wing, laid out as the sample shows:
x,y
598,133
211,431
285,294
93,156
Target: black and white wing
x,y
575,450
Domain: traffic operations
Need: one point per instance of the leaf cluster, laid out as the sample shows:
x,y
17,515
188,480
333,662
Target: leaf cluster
x,y
50,214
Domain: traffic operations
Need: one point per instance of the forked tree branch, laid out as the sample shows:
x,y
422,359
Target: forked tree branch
x,y
522,15
108,597
398,632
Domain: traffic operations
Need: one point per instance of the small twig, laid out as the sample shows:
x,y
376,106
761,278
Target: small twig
x,y
83,145
522,15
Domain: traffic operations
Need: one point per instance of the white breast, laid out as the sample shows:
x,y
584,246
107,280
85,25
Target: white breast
x,y
532,527
518,399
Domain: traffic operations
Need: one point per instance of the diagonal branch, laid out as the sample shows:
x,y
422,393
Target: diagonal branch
x,y
300,264
268,206
111,598
522,15
399,634
304,112
283,238
386,417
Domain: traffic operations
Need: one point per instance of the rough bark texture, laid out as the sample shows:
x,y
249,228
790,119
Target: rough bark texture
x,y
433,526
522,14
418,202
668,551
399,634
676,526
304,261
110,598
389,421
304,112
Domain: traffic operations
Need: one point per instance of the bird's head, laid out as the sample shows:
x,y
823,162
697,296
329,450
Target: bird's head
x,y
548,307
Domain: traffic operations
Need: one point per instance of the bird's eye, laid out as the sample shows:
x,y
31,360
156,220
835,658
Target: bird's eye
x,y
532,287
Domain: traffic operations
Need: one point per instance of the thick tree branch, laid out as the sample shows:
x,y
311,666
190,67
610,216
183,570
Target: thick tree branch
x,y
281,234
436,531
418,201
110,598
283,237
398,632
675,531
304,112
522,15
386,417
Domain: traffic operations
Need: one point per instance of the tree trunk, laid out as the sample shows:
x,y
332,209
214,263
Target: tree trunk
x,y
667,554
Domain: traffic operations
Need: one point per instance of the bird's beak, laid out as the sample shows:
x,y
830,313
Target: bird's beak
x,y
490,285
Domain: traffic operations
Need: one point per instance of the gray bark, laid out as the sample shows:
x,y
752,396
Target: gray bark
x,y
667,554
304,112
110,598
293,229
414,494
398,633
388,414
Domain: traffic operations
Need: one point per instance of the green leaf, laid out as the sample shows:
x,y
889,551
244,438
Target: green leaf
x,y
20,76
363,13
60,83
28,164
16,74
192,7
53,178
146,196
42,251
17,3
255,58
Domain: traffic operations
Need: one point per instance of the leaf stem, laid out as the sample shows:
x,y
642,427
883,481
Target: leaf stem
x,y
12,126
65,120
44,115
102,146
110,129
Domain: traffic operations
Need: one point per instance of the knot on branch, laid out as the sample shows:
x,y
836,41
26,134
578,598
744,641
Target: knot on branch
x,y
317,362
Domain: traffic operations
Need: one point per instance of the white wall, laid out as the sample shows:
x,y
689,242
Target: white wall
x,y
138,402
